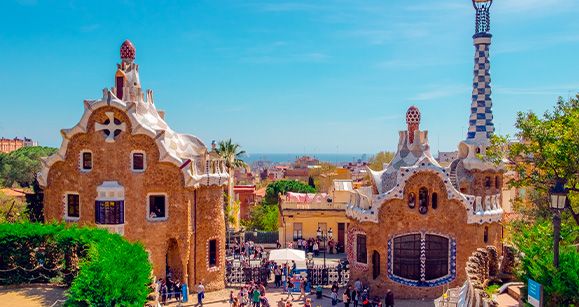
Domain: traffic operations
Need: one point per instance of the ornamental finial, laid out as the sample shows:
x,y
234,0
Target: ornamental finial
x,y
128,51
483,19
412,121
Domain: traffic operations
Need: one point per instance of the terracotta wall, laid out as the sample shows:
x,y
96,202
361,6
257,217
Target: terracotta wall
x,y
396,218
170,238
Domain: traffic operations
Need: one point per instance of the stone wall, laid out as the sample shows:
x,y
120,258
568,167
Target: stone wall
x,y
482,267
396,218
210,225
170,239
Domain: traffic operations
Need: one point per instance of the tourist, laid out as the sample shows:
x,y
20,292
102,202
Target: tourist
x,y
236,302
334,297
231,298
200,294
294,267
262,288
290,287
347,297
316,250
389,299
164,293
177,289
277,244
354,297
308,302
334,286
358,285
263,301
302,289
277,274
255,297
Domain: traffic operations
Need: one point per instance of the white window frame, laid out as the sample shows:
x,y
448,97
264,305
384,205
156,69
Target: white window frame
x,y
81,160
157,219
71,218
144,161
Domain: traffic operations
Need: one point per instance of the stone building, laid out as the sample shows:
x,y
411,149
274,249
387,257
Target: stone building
x,y
422,221
124,169
9,145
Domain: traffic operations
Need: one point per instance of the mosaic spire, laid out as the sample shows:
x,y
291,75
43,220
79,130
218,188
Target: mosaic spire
x,y
481,117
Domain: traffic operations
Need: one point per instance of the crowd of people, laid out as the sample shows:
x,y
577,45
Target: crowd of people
x,y
252,294
245,251
315,246
169,288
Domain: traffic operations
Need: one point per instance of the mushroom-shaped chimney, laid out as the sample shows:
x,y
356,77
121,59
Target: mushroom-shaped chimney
x,y
128,51
413,121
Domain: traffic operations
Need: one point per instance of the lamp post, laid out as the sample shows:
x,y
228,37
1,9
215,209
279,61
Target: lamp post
x,y
322,237
558,200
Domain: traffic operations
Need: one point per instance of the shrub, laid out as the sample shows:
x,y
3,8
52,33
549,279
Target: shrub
x,y
102,269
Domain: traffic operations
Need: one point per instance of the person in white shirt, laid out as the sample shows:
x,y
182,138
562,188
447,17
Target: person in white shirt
x,y
200,293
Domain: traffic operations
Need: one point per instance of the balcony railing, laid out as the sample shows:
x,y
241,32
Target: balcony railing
x,y
290,205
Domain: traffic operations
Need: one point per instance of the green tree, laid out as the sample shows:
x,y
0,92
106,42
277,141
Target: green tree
x,y
535,242
21,166
263,217
282,186
377,161
546,150
232,155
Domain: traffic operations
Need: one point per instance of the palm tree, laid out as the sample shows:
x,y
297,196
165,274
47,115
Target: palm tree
x,y
232,154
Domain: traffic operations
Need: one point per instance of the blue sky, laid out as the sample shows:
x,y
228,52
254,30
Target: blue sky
x,y
277,76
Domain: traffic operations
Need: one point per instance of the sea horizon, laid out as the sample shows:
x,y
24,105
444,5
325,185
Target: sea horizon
x,y
290,157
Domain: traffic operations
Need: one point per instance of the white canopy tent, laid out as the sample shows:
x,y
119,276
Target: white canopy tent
x,y
287,254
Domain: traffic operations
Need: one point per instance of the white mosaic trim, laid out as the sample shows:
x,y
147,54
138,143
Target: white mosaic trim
x,y
175,148
487,211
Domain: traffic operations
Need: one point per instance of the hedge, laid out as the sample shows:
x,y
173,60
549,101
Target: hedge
x,y
101,268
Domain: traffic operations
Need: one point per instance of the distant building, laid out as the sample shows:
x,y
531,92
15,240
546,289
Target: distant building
x,y
305,161
9,145
301,214
245,194
300,174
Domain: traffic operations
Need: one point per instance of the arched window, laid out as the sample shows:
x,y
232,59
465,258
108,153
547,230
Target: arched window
x,y
423,200
407,256
422,260
497,182
477,150
488,182
411,200
486,235
375,264
434,200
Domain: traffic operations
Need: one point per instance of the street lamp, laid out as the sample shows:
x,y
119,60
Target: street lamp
x,y
322,237
558,200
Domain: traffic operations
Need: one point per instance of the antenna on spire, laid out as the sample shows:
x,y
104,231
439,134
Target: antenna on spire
x,y
483,18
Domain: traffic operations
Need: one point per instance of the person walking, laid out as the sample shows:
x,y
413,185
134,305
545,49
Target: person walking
x,y
354,297
177,289
302,289
255,297
334,297
389,300
347,296
200,294
231,298
164,291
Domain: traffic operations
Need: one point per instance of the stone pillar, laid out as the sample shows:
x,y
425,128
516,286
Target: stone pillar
x,y
209,225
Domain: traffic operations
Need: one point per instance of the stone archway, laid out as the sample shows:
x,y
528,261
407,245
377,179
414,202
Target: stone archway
x,y
173,266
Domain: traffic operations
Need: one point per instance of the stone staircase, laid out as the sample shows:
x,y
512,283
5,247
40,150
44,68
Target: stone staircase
x,y
452,175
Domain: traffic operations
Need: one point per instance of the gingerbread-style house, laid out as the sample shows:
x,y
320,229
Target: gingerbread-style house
x,y
124,169
414,230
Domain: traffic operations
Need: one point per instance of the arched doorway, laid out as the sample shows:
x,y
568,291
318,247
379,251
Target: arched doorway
x,y
173,261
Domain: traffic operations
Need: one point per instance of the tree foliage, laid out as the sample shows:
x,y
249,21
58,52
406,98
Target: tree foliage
x,y
263,217
12,209
102,269
535,242
546,149
282,186
377,161
20,166
231,153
